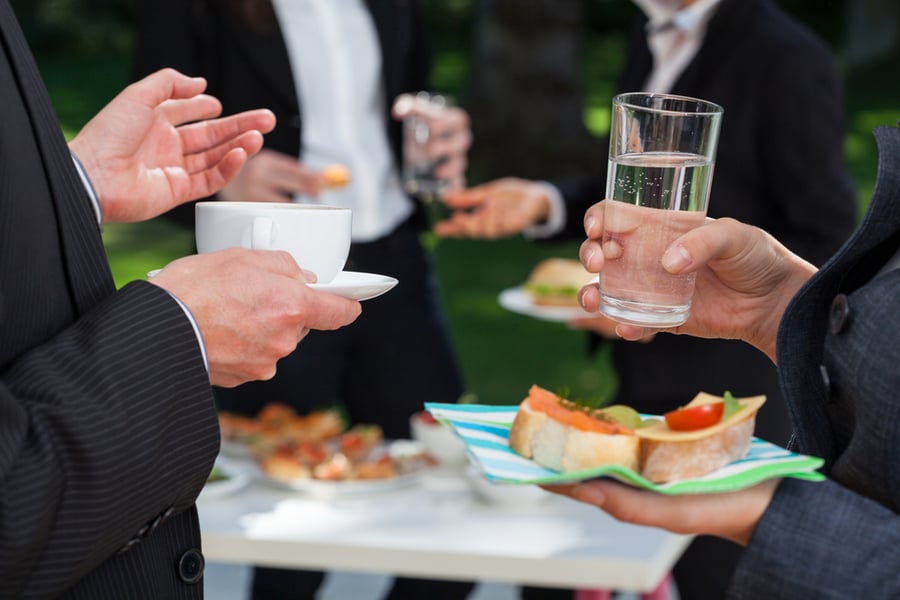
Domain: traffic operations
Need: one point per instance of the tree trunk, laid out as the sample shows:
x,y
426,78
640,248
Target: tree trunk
x,y
524,95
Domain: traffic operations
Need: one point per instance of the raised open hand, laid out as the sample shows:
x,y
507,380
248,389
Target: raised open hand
x,y
157,145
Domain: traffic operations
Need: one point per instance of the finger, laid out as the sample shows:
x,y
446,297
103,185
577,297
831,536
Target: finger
x,y
402,106
450,143
593,221
196,108
329,312
162,85
250,142
634,333
591,256
449,228
451,122
452,168
717,239
290,179
600,325
467,198
205,135
209,181
589,298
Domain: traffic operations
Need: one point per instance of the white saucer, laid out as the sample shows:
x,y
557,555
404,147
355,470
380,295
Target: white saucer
x,y
519,301
357,286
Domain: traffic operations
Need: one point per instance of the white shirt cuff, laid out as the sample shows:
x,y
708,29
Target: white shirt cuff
x,y
89,187
556,218
193,321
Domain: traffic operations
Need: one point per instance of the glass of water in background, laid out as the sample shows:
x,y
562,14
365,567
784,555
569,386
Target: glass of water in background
x,y
661,154
419,159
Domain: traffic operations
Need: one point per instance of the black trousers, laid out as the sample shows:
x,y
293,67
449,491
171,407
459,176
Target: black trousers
x,y
381,369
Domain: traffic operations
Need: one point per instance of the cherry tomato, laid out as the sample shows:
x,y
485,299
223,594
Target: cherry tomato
x,y
426,417
700,416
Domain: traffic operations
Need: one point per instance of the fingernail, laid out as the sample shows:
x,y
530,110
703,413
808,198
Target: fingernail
x,y
588,255
676,259
590,223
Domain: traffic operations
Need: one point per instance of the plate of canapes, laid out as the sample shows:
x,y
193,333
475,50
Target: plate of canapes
x,y
319,454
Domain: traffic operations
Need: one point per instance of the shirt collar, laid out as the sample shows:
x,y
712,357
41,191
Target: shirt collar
x,y
665,15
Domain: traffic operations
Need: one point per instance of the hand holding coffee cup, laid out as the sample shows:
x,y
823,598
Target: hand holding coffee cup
x,y
316,236
245,305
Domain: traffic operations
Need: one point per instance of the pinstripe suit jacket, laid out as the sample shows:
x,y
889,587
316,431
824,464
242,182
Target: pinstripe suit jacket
x,y
839,361
107,425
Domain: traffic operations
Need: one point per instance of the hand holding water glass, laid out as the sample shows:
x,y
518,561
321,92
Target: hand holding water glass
x,y
661,154
436,138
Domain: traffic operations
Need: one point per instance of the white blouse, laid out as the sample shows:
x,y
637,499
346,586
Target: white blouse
x,y
336,63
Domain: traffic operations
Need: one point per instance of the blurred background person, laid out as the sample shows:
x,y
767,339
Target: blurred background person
x,y
330,70
780,166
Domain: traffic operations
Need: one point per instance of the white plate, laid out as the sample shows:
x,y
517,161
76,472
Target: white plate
x,y
355,487
357,286
519,301
339,489
348,284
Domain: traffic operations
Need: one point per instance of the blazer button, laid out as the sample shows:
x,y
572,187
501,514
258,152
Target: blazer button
x,y
837,317
190,566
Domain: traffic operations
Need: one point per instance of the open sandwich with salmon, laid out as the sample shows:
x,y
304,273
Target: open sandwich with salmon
x,y
692,441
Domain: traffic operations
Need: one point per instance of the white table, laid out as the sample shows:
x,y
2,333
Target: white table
x,y
436,528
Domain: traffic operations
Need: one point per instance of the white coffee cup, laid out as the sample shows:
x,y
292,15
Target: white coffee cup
x,y
317,236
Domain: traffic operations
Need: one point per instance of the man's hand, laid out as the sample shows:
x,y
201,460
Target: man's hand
x,y
450,136
156,145
252,307
494,210
271,176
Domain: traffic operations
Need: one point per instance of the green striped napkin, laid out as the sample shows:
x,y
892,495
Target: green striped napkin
x,y
485,431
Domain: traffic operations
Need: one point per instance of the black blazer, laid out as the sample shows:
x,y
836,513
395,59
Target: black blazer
x,y
249,69
779,166
107,425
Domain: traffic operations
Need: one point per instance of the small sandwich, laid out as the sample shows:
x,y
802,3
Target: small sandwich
x,y
559,434
689,442
699,438
334,176
556,281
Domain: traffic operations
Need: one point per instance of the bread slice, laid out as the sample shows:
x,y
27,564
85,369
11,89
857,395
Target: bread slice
x,y
555,445
668,455
656,452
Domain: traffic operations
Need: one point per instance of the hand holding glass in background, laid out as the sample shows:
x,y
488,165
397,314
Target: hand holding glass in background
x,y
661,154
436,137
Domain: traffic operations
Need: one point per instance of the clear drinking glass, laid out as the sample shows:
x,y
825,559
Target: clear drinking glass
x,y
661,155
419,160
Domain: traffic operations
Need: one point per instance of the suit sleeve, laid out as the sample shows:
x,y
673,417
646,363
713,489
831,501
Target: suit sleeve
x,y
578,196
819,540
100,426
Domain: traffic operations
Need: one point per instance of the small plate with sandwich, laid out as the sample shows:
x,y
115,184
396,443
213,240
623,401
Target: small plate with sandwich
x,y
706,446
550,292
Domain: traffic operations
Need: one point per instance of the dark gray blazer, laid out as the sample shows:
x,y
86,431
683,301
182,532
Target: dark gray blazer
x,y
839,361
107,425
